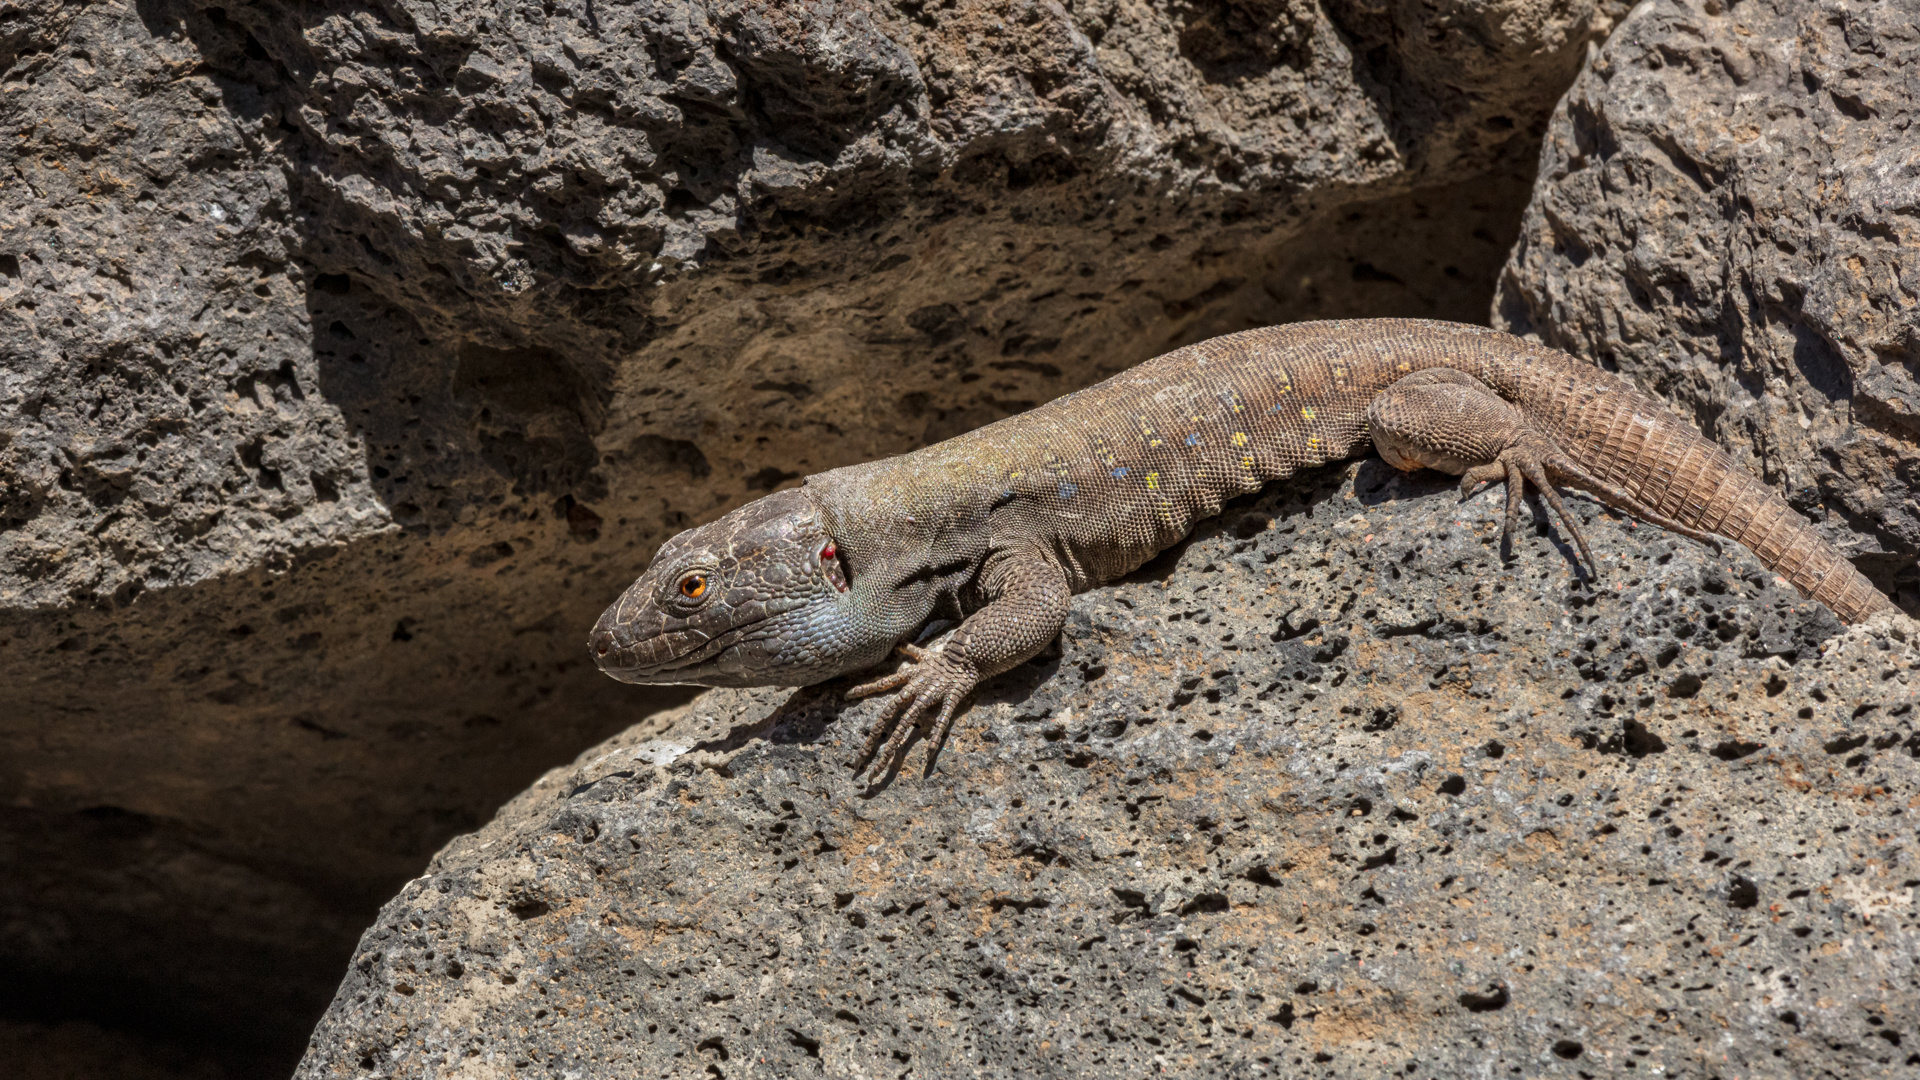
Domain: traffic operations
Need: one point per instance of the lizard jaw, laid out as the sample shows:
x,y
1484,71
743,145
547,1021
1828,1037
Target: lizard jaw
x,y
660,657
685,654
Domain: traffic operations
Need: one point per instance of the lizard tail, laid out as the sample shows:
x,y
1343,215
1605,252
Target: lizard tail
x,y
1788,544
1673,469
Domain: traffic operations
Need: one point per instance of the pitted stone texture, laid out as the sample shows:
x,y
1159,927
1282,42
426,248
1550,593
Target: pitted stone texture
x,y
357,353
1327,792
1725,214
501,167
163,415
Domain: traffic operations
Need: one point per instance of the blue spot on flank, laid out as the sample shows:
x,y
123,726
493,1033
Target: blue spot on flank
x,y
1120,472
1193,439
1068,491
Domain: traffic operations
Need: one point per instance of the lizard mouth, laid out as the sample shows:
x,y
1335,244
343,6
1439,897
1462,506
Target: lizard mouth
x,y
658,658
681,654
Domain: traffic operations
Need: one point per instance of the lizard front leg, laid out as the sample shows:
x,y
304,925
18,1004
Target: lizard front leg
x,y
1448,420
1027,597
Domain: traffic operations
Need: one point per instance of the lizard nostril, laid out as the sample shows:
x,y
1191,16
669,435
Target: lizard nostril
x,y
603,643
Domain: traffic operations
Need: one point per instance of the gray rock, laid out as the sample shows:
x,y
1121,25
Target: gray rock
x,y
1725,214
1330,791
356,354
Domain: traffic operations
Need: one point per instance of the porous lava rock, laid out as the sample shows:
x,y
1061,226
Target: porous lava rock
x,y
1332,791
1726,212
355,353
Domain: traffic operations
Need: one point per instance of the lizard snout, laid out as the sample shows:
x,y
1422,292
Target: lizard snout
x,y
610,643
602,643
629,653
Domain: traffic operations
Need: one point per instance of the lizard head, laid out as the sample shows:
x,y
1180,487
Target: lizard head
x,y
758,598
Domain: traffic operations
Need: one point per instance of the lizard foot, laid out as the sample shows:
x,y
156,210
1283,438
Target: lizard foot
x,y
1445,419
1538,460
931,679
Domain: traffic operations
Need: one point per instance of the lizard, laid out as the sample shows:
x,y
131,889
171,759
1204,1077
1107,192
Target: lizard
x,y
997,528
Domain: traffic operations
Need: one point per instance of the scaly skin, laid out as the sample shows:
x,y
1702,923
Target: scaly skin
x,y
1000,526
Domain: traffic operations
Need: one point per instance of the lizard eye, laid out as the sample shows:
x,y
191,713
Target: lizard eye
x,y
693,586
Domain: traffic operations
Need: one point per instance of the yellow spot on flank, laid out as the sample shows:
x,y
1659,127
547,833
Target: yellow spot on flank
x,y
1313,442
1247,464
1239,438
1153,481
1307,412
1015,475
1404,366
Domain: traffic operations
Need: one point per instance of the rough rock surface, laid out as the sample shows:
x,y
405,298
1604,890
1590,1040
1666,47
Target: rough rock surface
x,y
1727,210
355,353
1330,792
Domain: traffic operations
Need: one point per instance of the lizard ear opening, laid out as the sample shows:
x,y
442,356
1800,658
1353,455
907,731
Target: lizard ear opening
x,y
835,566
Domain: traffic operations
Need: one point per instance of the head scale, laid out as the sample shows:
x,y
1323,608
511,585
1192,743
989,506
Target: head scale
x,y
758,598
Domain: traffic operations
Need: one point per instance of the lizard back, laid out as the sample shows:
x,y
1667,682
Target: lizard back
x,y
1104,478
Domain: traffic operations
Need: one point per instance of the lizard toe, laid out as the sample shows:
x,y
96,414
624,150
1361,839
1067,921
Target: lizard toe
x,y
1478,477
892,755
914,654
879,686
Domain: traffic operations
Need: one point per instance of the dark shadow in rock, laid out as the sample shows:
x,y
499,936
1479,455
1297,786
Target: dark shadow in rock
x,y
1016,686
1375,482
1231,42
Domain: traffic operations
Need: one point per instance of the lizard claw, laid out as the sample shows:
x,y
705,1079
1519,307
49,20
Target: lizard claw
x,y
929,680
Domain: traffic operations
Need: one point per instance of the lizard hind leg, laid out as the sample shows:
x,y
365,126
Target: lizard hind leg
x,y
1540,458
1447,420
